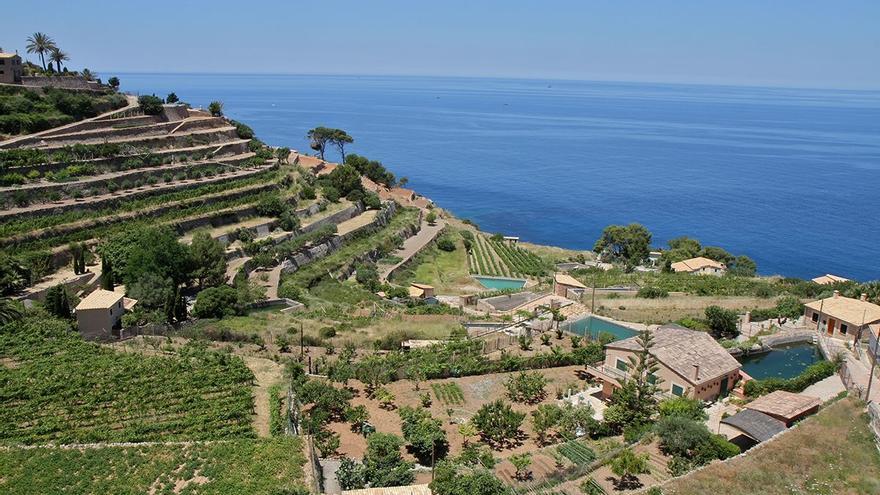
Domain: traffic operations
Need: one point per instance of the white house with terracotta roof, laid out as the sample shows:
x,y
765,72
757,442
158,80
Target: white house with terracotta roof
x,y
829,279
565,285
99,313
690,363
842,317
699,266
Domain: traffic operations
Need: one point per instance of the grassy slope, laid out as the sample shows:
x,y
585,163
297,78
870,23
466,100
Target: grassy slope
x,y
241,466
831,453
446,271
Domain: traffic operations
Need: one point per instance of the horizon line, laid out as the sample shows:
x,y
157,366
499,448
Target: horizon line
x,y
513,78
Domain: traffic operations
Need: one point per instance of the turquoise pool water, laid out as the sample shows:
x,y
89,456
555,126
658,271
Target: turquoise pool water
x,y
496,283
595,326
782,362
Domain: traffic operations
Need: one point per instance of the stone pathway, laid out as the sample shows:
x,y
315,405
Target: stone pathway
x,y
413,245
826,389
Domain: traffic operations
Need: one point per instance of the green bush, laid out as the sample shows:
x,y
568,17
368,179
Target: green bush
x,y
216,302
446,245
652,293
150,104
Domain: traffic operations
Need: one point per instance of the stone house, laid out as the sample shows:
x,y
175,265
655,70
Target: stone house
x,y
10,68
842,317
99,314
699,266
690,363
567,286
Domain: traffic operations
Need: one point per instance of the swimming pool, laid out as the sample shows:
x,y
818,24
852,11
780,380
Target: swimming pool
x,y
500,283
782,362
595,326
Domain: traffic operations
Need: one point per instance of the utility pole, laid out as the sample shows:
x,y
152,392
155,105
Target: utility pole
x,y
873,364
301,340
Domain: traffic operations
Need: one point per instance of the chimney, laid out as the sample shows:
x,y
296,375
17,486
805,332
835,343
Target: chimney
x,y
864,297
836,294
696,372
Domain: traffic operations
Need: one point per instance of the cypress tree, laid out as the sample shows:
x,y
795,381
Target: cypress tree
x,y
106,274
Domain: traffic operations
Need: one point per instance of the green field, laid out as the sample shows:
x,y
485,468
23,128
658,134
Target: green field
x,y
577,452
270,466
55,387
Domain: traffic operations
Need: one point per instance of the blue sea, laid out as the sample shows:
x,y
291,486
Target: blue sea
x,y
790,177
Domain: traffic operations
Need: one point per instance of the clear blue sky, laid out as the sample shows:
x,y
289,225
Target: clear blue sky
x,y
792,43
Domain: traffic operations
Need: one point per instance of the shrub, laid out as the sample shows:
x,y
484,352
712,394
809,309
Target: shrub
x,y
216,108
527,387
683,407
150,104
652,293
446,245
216,302
498,423
722,322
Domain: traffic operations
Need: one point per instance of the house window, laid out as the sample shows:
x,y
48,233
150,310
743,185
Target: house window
x,y
120,304
843,328
621,365
677,390
815,317
652,378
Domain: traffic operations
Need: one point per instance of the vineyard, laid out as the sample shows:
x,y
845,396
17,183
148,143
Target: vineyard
x,y
237,466
577,453
57,388
497,258
448,393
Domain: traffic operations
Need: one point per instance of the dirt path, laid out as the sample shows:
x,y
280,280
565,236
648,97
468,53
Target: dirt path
x,y
413,245
267,373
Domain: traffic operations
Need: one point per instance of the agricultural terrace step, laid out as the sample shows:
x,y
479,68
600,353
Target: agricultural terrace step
x,y
106,124
132,132
99,180
140,192
13,142
214,135
70,228
85,180
214,150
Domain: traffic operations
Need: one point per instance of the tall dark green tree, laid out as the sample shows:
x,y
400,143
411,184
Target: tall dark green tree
x,y
339,139
106,274
629,244
208,260
635,402
58,301
318,139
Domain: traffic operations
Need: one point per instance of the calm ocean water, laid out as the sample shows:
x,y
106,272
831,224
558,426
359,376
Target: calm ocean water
x,y
790,177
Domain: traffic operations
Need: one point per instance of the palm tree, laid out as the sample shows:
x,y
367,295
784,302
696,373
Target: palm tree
x,y
40,43
58,56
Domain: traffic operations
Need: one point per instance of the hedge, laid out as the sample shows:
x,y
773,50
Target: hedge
x,y
814,373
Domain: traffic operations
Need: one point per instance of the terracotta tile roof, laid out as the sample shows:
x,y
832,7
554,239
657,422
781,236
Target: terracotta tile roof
x,y
100,299
679,349
854,311
694,264
784,404
568,280
829,279
755,424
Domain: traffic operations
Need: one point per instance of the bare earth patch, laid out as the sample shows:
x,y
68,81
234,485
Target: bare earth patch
x,y
267,373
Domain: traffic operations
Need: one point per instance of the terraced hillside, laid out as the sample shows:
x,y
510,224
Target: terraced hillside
x,y
125,170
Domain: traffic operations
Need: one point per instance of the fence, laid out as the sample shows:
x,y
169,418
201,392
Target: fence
x,y
874,414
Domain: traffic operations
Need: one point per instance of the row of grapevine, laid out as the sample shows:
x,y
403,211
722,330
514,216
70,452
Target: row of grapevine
x,y
577,452
520,260
66,390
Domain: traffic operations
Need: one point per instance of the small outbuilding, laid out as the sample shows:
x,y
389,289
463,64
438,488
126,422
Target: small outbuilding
x,y
829,279
100,313
565,285
843,317
748,428
785,406
421,291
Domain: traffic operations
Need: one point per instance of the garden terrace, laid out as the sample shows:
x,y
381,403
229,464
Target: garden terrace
x,y
61,389
45,191
38,164
238,466
187,138
117,132
127,195
26,110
